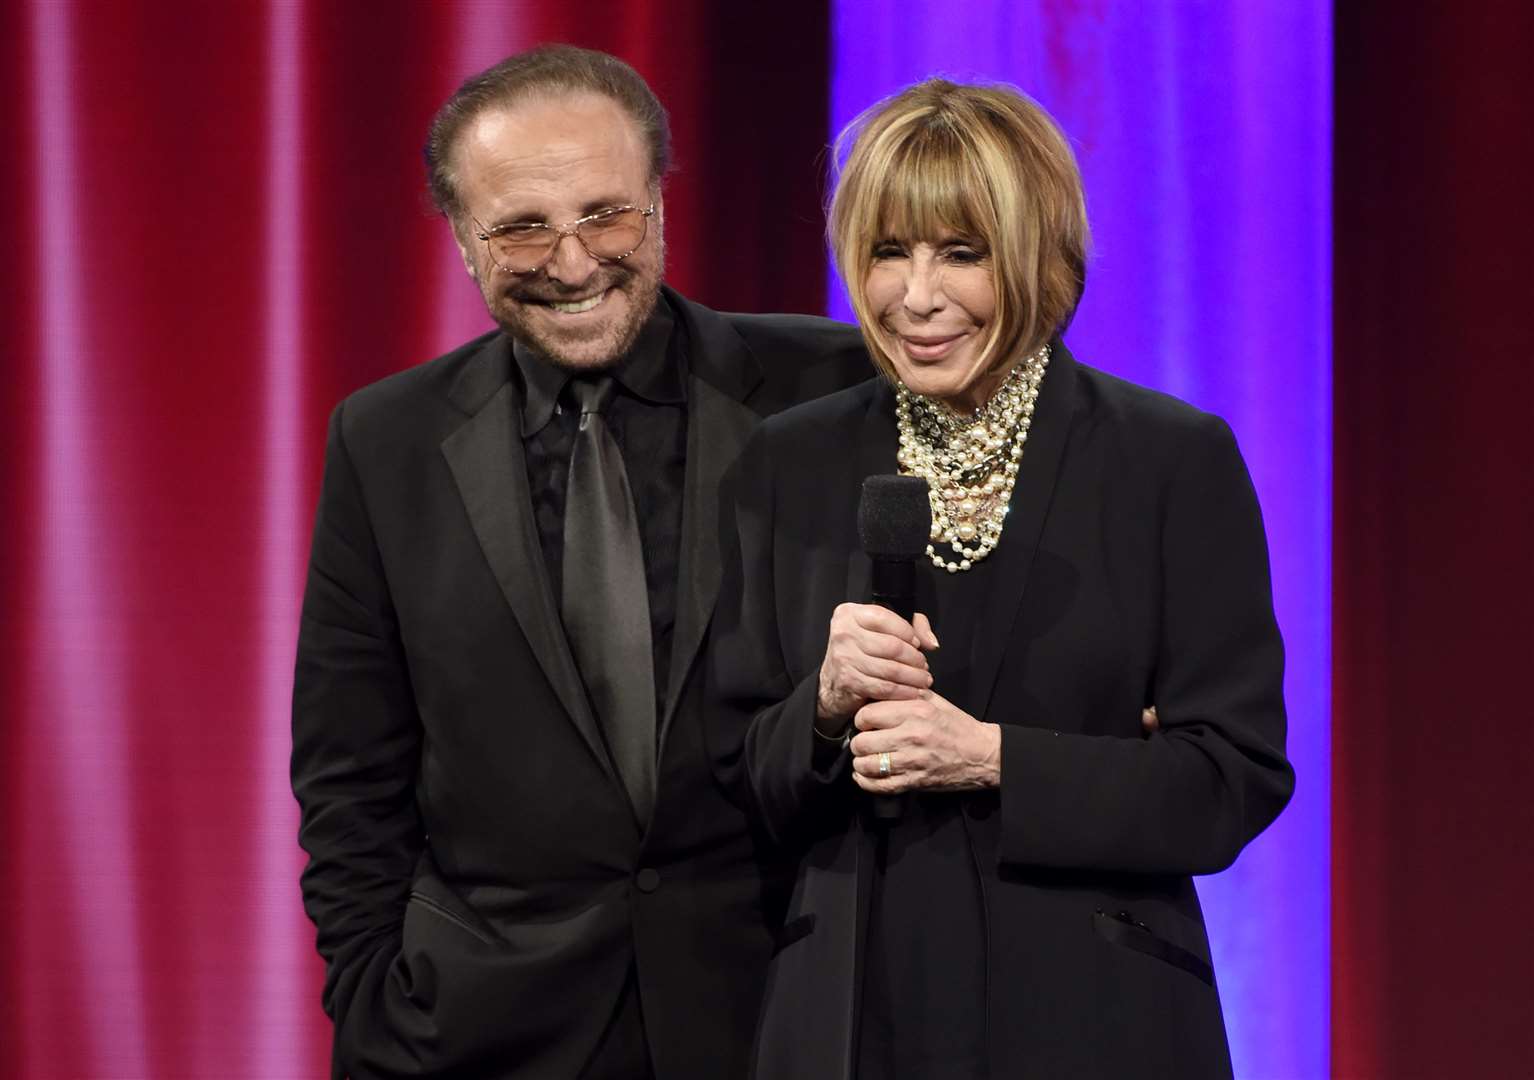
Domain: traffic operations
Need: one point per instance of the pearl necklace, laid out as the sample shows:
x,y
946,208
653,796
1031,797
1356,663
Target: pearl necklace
x,y
969,462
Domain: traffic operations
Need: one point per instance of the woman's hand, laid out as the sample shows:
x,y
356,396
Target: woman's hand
x,y
872,654
932,745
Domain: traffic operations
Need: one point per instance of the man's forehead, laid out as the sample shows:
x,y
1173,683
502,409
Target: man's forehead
x,y
570,146
560,124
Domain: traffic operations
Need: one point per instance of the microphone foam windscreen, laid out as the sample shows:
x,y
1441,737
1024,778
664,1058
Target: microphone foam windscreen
x,y
894,517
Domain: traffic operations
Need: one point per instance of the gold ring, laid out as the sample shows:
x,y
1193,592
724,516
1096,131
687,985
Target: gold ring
x,y
884,763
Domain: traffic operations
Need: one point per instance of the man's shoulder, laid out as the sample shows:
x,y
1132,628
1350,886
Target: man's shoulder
x,y
821,426
798,357
797,335
418,390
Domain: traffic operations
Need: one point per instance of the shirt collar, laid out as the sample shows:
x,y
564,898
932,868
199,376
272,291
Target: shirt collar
x,y
650,371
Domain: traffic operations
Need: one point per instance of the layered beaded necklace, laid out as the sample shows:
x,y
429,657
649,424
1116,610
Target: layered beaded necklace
x,y
969,462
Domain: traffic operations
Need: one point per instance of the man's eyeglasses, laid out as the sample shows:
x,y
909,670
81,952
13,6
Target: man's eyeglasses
x,y
610,235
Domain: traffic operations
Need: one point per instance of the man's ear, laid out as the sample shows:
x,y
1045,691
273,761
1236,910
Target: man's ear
x,y
464,239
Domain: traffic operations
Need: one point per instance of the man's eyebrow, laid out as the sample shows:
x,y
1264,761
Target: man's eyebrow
x,y
592,206
598,205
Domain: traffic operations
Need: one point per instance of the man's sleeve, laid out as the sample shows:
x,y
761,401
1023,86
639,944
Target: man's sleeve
x,y
760,731
356,744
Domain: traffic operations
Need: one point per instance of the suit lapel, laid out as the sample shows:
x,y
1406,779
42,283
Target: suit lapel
x,y
487,462
1031,499
718,427
722,375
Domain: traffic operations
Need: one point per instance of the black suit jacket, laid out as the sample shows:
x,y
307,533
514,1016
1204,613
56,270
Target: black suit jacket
x,y
478,880
1141,578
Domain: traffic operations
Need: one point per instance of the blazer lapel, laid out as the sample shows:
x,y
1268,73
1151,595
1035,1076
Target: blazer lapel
x,y
1031,498
487,462
723,374
718,427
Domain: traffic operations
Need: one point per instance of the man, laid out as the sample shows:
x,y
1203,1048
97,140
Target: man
x,y
519,863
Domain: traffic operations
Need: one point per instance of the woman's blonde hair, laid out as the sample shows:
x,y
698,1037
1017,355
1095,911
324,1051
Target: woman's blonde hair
x,y
986,162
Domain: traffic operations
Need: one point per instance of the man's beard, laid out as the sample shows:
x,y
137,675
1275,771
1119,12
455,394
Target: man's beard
x,y
514,307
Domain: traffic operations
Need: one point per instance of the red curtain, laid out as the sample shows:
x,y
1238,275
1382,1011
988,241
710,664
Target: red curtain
x,y
216,228
1433,747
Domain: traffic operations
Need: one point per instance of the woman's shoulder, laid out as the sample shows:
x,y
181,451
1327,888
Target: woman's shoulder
x,y
1149,433
1145,419
1112,398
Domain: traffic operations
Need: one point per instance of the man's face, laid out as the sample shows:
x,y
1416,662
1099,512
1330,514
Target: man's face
x,y
553,161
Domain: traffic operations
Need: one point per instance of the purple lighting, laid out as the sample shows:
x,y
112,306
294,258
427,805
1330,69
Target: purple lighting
x,y
1204,139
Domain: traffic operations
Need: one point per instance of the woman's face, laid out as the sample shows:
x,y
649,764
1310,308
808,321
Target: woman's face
x,y
934,301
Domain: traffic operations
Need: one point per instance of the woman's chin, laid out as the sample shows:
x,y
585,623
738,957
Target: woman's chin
x,y
936,385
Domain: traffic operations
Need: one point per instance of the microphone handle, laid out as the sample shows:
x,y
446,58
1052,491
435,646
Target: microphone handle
x,y
894,587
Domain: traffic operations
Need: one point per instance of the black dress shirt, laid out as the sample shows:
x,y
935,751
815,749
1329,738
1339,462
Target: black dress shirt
x,y
648,420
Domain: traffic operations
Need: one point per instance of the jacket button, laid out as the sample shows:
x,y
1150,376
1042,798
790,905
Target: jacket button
x,y
647,879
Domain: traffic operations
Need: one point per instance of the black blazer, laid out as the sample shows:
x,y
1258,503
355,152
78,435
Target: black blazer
x,y
1143,579
478,880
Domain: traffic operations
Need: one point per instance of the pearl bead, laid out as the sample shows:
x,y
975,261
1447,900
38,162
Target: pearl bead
x,y
968,457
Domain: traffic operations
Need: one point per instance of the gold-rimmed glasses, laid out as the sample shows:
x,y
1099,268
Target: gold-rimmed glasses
x,y
611,235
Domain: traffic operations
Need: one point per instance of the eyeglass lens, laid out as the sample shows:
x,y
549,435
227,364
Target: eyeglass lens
x,y
607,236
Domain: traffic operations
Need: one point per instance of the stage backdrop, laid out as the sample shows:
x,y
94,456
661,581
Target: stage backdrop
x,y
216,229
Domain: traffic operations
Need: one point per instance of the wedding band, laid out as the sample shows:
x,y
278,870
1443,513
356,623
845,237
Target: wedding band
x,y
884,763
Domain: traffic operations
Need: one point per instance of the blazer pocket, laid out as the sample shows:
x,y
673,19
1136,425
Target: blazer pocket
x,y
1121,929
793,930
442,911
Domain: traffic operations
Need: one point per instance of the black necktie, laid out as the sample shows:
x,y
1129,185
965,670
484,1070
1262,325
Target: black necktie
x,y
605,606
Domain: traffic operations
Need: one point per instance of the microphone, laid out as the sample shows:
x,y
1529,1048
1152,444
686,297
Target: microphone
x,y
894,525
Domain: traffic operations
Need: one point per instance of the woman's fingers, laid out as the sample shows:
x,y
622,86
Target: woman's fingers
x,y
902,763
924,634
871,655
894,671
882,620
888,647
880,715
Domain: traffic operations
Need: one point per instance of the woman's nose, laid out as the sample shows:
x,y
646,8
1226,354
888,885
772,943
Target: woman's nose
x,y
923,291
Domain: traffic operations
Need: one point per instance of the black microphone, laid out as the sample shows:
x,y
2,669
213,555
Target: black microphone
x,y
894,523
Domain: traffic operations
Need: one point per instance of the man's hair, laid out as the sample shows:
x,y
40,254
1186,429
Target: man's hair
x,y
982,161
543,72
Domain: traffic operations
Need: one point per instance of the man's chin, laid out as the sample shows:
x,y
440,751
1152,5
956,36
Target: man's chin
x,y
592,349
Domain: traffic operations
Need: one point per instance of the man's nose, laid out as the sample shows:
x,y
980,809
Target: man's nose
x,y
571,263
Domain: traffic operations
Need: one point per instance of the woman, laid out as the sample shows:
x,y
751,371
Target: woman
x,y
1097,549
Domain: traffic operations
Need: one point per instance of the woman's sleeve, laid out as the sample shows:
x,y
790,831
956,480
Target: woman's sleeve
x,y
760,716
1188,799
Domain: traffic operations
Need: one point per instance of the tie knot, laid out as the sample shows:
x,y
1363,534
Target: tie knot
x,y
592,392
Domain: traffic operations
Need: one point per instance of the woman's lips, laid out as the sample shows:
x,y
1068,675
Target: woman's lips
x,y
928,348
